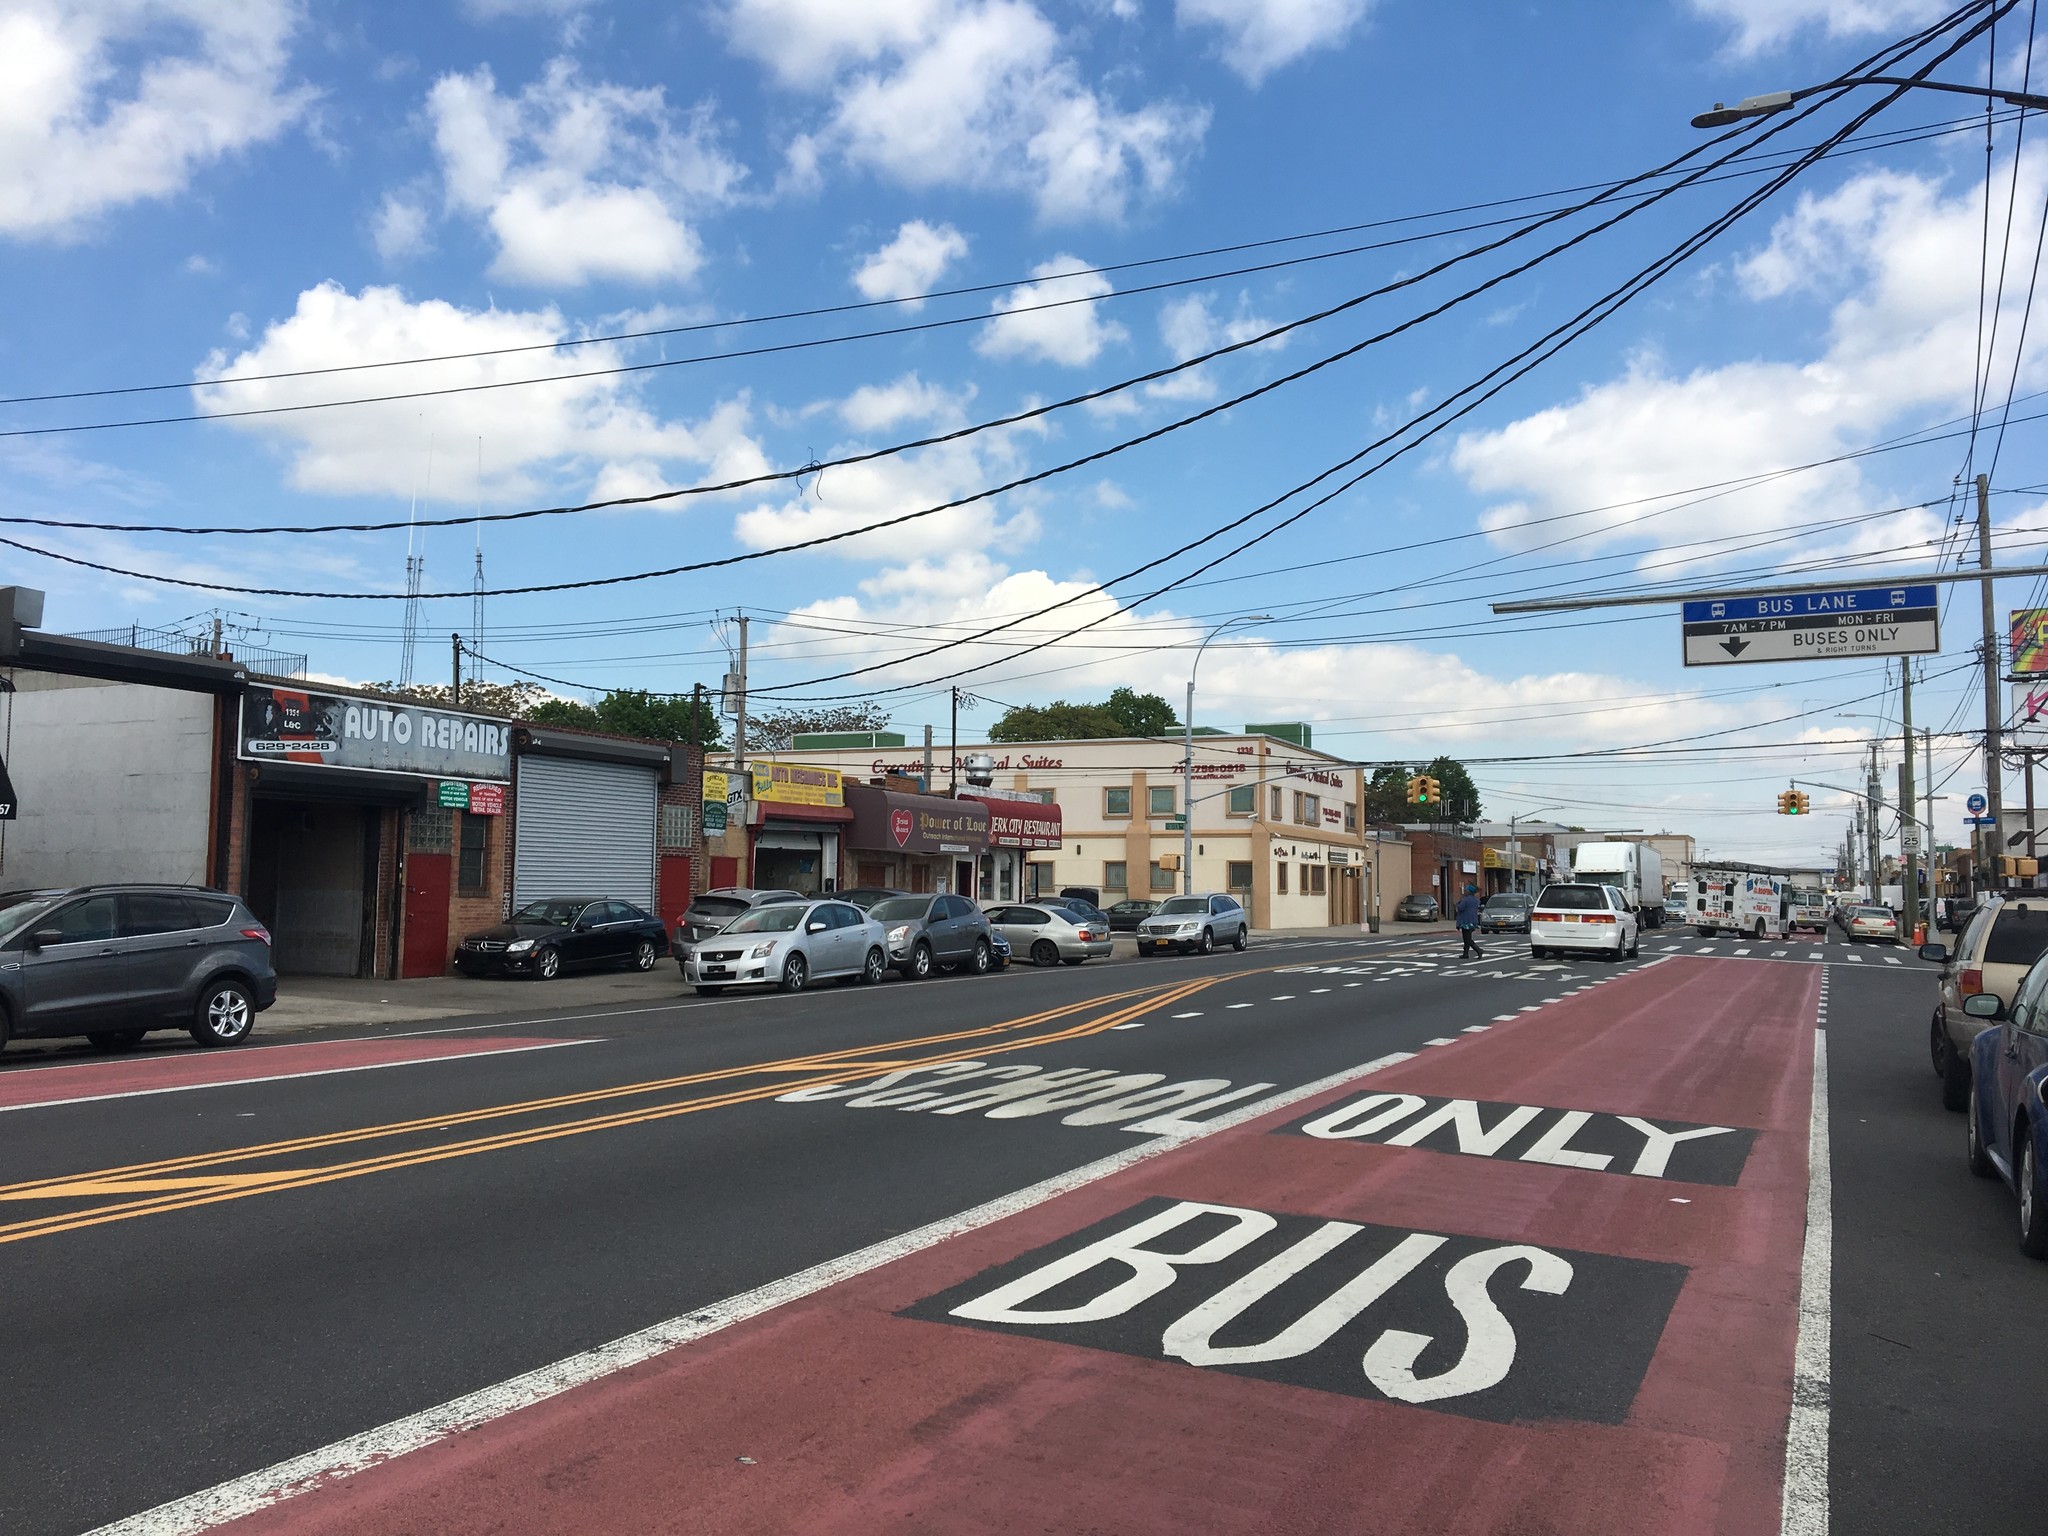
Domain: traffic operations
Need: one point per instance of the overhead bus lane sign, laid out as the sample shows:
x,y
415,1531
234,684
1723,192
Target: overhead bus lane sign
x,y
1813,626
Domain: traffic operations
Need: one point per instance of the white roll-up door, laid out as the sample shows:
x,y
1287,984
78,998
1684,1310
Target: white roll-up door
x,y
584,829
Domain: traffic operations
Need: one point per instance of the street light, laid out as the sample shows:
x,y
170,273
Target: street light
x,y
1780,101
1515,842
1187,759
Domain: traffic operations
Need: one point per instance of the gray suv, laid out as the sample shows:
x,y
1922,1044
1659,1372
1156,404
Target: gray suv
x,y
934,931
113,962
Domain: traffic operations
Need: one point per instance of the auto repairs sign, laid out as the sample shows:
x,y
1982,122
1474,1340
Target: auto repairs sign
x,y
294,725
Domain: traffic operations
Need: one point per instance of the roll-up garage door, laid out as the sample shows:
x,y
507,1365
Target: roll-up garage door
x,y
583,829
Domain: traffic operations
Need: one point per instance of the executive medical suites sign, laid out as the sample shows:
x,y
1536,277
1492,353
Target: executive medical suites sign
x,y
289,725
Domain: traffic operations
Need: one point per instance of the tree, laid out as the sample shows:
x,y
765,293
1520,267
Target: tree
x,y
623,711
515,700
778,728
1057,721
1460,794
1141,714
1386,796
573,713
658,716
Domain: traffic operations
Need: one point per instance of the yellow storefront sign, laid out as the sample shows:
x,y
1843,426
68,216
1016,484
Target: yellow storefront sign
x,y
715,785
796,784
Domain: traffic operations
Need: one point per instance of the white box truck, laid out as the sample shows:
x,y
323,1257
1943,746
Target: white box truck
x,y
1635,869
1742,899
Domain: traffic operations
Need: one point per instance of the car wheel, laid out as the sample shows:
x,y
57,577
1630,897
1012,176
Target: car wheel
x,y
1757,932
920,966
117,1039
547,965
1955,1078
1208,944
1045,952
983,957
644,956
1973,1137
709,991
1243,939
1635,945
795,972
876,968
2033,1200
226,1014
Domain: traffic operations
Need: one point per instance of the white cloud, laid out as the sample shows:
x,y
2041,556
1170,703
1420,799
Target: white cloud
x,y
400,228
200,265
1897,259
533,439
1072,332
1189,326
982,94
579,181
912,263
859,495
1262,35
877,407
81,135
1760,25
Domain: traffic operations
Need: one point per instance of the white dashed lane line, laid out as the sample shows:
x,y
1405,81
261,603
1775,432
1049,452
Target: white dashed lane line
x,y
1237,1005
1503,1018
1439,1040
1284,997
1195,1015
1317,991
1475,1029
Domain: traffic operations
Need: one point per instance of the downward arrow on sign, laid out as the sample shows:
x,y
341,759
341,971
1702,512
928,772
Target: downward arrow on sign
x,y
1734,647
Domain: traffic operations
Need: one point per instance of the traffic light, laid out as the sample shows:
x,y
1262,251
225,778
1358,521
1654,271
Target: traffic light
x,y
1433,790
1415,789
1422,789
1785,803
1804,802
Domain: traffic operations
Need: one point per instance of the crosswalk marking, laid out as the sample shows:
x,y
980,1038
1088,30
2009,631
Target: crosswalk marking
x,y
1742,951
1440,1040
1892,960
1856,957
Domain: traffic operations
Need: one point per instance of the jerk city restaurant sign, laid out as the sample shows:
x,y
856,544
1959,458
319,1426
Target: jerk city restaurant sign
x,y
883,819
1022,823
290,725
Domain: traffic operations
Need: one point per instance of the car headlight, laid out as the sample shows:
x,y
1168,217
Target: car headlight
x,y
1189,927
761,951
896,934
518,946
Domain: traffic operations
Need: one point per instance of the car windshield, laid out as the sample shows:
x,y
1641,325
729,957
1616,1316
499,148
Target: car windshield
x,y
1573,898
782,917
1182,905
1506,899
1874,912
718,906
19,907
897,908
561,913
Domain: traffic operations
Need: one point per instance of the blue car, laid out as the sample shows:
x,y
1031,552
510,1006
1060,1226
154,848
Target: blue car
x,y
2008,1115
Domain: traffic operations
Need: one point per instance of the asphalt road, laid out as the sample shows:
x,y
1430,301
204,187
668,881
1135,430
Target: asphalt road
x,y
209,1278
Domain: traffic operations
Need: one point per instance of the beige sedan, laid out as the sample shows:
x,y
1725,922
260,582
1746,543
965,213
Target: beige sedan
x,y
1049,934
1878,923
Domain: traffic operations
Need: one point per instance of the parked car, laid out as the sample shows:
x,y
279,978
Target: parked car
x,y
1417,908
710,912
790,944
1079,907
1048,932
1578,916
927,933
112,963
999,949
2007,1119
1871,923
1674,909
1506,912
1087,895
2002,940
564,933
1194,925
1125,916
865,896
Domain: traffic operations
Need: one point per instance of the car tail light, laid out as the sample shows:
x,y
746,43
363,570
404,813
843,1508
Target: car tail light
x,y
1597,917
1970,982
258,931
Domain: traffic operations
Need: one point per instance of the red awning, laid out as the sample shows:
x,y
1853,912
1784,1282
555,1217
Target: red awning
x,y
1021,823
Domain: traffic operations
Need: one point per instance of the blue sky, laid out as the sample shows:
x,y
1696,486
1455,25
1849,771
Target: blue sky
x,y
211,191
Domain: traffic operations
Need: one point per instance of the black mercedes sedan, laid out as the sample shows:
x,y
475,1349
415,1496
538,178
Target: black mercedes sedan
x,y
562,933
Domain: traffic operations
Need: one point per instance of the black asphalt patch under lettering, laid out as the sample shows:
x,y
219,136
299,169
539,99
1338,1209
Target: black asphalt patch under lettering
x,y
1482,1327
1675,1150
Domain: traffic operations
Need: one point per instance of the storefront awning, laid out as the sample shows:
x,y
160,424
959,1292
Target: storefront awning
x,y
887,822
1021,823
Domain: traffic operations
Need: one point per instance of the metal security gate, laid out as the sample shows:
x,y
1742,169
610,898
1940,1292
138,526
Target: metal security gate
x,y
583,829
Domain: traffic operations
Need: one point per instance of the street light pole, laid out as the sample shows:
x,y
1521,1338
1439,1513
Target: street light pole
x,y
1780,101
1187,754
1515,841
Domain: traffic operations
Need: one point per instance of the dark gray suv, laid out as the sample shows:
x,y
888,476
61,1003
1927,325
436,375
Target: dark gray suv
x,y
113,962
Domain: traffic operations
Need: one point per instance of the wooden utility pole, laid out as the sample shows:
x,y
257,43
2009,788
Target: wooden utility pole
x,y
1994,713
1909,830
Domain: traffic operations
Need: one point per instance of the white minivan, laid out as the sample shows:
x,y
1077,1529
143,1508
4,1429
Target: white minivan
x,y
1582,916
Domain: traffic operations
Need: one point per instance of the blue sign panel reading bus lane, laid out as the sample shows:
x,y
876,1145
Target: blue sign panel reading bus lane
x,y
1813,626
1785,605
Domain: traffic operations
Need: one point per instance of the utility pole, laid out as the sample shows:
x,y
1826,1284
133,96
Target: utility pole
x,y
455,648
927,759
1994,715
1874,791
1927,790
953,772
1909,832
739,729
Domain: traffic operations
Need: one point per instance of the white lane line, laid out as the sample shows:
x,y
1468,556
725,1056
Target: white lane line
x,y
257,1491
1284,997
1672,949
1816,955
1440,1040
1777,954
1195,1015
1858,959
1528,1008
1238,1005
1317,991
1741,951
1475,1029
1805,1508
1704,949
1892,960
286,1077
1553,1000
1353,983
1134,1024
1504,1018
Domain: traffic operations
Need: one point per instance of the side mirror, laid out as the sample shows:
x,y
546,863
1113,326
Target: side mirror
x,y
1984,1005
43,937
816,928
1938,953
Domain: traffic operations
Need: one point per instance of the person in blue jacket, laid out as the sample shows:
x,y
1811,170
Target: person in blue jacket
x,y
1468,924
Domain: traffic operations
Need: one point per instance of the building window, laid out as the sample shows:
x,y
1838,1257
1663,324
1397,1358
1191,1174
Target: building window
x,y
1312,880
1159,800
1116,802
430,830
1308,809
1164,879
1244,800
1280,879
1350,817
473,867
678,826
1240,877
1114,875
1274,813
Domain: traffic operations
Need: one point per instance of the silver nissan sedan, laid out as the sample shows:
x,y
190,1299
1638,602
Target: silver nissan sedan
x,y
790,944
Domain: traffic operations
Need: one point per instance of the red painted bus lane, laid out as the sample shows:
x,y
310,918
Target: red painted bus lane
x,y
1527,1322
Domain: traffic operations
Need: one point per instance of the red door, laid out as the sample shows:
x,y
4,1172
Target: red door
x,y
427,878
674,898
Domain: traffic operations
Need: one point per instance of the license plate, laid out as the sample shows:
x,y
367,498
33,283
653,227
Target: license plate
x,y
716,971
